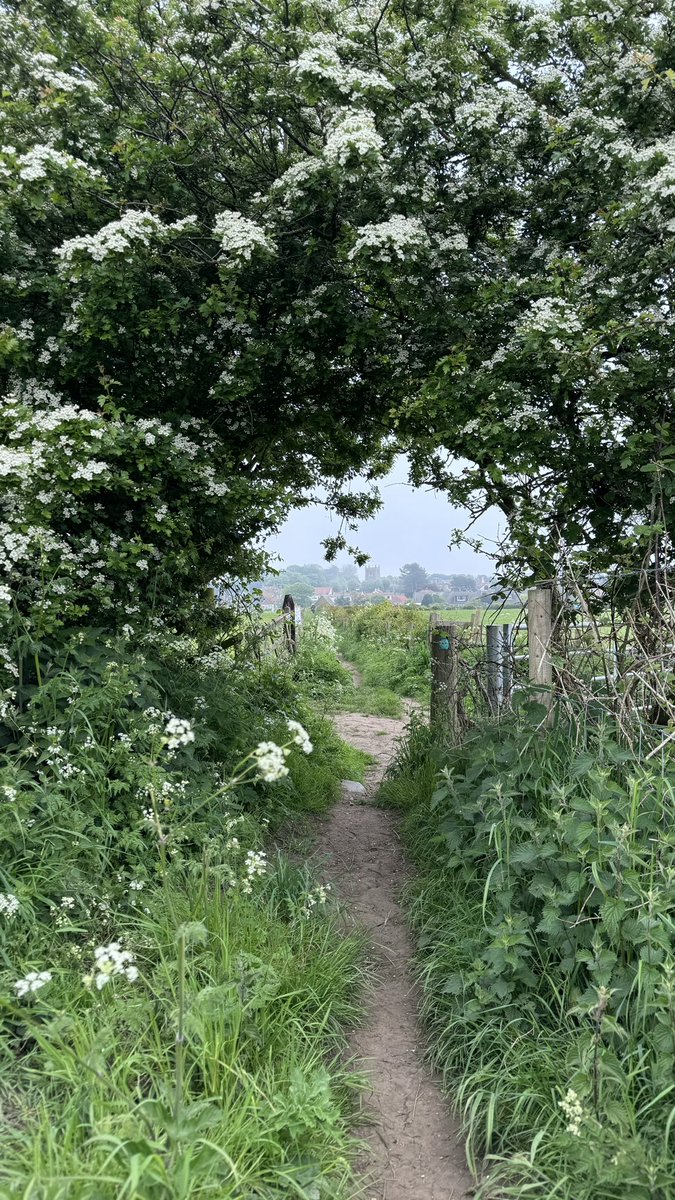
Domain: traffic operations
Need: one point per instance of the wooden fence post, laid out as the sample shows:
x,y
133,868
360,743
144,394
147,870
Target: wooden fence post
x,y
494,668
539,631
290,635
444,677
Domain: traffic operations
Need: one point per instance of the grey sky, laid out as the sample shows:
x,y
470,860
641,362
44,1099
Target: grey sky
x,y
413,525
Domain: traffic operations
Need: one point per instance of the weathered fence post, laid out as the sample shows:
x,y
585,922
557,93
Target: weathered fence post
x,y
290,635
494,668
539,631
444,677
507,665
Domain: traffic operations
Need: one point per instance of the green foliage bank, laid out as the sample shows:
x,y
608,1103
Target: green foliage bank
x,y
544,912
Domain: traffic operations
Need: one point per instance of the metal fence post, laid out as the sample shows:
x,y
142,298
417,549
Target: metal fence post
x,y
507,665
494,668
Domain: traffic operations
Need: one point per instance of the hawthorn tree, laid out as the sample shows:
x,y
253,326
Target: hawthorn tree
x,y
247,248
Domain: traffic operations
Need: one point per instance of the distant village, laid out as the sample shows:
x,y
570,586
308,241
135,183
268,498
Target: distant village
x,y
316,586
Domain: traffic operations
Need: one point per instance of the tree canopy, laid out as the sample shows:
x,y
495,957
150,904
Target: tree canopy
x,y
249,248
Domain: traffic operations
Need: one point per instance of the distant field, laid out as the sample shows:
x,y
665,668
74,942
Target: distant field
x,y
489,616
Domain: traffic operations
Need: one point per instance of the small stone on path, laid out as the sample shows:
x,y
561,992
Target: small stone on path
x,y
352,788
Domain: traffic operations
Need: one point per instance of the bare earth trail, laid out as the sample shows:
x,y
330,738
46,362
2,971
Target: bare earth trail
x,y
414,1150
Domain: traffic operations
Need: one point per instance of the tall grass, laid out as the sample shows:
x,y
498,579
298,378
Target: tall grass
x,y
172,1000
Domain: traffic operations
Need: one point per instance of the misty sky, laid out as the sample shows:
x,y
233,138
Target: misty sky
x,y
414,525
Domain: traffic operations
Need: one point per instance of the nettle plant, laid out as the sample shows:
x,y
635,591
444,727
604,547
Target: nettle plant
x,y
567,854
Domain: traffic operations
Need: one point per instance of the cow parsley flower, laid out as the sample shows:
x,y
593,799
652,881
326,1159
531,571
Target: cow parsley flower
x,y
255,865
300,736
178,732
270,761
110,961
32,982
9,905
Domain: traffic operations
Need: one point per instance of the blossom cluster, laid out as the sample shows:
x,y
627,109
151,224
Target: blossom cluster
x,y
573,1111
270,761
239,236
135,227
109,962
9,905
178,732
32,982
353,134
300,736
314,898
386,241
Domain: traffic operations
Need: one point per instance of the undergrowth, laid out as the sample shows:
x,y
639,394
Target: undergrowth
x,y
172,1000
546,950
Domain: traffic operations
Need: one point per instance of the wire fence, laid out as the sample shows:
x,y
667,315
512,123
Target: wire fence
x,y
594,647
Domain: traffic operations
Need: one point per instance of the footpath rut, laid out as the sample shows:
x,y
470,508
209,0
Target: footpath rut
x,y
414,1152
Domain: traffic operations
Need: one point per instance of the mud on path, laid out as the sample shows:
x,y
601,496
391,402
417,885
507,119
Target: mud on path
x,y
414,1151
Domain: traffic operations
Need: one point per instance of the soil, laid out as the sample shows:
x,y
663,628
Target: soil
x,y
414,1151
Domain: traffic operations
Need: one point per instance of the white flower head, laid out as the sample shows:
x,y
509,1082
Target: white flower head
x,y
9,905
178,732
573,1110
109,962
300,736
32,982
270,761
240,236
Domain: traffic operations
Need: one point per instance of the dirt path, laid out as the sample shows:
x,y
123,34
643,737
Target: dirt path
x,y
414,1152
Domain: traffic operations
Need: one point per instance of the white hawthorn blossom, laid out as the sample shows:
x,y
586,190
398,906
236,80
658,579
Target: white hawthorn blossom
x,y
397,238
239,236
353,134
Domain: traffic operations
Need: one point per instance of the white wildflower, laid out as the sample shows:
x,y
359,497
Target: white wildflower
x,y
300,736
9,905
573,1110
178,732
255,865
269,759
32,982
109,961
